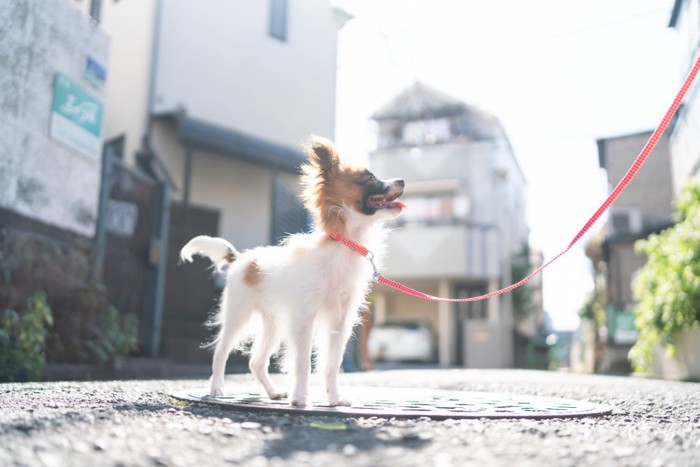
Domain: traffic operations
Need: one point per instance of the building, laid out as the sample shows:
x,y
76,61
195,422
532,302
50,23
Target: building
x,y
646,205
51,133
51,119
223,95
642,209
464,227
685,129
211,100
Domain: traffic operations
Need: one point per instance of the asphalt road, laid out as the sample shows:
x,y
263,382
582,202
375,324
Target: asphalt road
x,y
137,423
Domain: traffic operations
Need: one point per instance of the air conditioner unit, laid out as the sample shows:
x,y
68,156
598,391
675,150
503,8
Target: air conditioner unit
x,y
626,221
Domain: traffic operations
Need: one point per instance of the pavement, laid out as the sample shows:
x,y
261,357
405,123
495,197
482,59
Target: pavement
x,y
138,423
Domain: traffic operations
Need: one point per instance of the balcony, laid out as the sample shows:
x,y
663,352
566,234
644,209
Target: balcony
x,y
449,251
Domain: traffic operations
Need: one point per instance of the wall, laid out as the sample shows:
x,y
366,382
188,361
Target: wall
x,y
685,133
240,191
130,26
40,178
623,264
218,62
652,191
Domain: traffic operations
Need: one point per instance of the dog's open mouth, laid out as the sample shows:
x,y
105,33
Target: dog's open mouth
x,y
387,201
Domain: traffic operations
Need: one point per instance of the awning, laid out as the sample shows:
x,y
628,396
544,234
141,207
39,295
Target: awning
x,y
236,144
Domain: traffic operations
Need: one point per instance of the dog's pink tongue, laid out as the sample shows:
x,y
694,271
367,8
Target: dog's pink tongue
x,y
399,204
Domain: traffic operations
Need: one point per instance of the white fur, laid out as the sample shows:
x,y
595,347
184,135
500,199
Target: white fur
x,y
216,249
311,289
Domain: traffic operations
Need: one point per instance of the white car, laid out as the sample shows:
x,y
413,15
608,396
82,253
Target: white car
x,y
401,341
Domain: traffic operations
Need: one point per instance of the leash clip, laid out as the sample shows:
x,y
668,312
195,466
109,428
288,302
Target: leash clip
x,y
375,273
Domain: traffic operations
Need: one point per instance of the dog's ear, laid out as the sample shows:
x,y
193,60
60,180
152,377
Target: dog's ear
x,y
322,155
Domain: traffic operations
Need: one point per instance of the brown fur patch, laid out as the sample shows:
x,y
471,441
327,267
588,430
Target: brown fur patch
x,y
231,256
298,250
330,186
253,274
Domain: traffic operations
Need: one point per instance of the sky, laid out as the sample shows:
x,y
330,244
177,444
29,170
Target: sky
x,y
558,74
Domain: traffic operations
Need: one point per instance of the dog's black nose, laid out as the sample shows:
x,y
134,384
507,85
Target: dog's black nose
x,y
400,182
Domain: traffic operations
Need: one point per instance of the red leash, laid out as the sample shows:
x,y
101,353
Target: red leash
x,y
638,163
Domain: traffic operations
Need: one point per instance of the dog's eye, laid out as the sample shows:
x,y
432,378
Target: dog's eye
x,y
370,178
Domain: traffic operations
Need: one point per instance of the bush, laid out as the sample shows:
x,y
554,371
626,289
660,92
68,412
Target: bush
x,y
22,340
668,285
85,328
90,330
114,339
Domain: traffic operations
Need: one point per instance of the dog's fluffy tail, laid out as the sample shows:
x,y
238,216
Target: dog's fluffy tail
x,y
218,250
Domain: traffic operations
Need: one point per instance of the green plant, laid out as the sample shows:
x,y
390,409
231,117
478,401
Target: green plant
x,y
90,330
668,285
22,339
114,339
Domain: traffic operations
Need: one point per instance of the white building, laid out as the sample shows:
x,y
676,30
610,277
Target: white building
x,y
220,88
213,98
685,130
463,226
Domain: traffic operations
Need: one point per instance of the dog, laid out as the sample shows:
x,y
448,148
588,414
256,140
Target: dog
x,y
308,291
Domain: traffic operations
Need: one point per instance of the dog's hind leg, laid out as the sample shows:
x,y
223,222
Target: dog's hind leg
x,y
264,346
234,316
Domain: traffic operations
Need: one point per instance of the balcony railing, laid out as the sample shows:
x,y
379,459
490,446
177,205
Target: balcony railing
x,y
453,250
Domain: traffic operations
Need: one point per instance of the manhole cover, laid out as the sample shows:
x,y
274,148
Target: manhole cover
x,y
411,403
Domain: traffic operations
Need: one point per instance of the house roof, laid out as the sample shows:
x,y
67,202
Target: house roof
x,y
421,102
235,144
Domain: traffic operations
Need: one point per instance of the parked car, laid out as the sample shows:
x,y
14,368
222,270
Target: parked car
x,y
401,341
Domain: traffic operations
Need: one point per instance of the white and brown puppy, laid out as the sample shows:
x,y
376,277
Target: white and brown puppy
x,y
307,291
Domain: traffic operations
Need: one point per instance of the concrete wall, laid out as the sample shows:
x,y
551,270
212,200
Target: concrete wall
x,y
651,191
685,143
218,62
623,264
41,178
240,191
685,133
130,26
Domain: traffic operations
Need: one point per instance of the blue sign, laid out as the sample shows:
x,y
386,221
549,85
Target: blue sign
x,y
95,73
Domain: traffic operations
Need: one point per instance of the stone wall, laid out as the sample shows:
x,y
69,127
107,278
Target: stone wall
x,y
49,191
40,177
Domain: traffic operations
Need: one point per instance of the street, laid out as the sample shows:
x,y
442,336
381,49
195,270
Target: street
x,y
131,423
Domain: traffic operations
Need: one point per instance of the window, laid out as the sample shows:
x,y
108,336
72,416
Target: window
x,y
471,310
278,19
427,131
438,209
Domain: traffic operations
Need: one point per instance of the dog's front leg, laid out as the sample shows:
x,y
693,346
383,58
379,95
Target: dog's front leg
x,y
335,341
301,346
336,348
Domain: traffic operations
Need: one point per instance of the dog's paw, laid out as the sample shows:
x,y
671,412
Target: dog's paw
x,y
299,402
216,391
277,395
339,403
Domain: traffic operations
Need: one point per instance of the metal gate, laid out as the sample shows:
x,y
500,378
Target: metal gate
x,y
127,237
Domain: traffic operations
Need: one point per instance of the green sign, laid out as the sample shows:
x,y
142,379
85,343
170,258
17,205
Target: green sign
x,y
621,326
76,117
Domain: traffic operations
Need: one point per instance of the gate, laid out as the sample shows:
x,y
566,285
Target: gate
x,y
191,293
128,230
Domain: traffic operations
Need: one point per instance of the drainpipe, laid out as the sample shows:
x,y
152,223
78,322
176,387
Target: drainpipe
x,y
160,244
101,226
96,9
161,247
